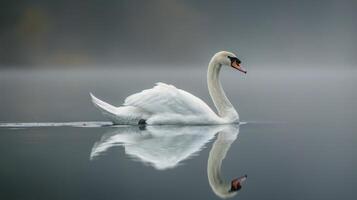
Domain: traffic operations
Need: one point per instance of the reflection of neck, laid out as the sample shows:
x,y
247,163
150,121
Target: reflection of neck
x,y
219,98
218,152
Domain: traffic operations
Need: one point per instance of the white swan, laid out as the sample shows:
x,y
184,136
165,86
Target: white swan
x,y
165,104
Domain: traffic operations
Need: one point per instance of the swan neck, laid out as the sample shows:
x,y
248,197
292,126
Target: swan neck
x,y
219,98
217,154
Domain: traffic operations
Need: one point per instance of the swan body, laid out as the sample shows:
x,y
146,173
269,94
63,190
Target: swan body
x,y
166,104
163,104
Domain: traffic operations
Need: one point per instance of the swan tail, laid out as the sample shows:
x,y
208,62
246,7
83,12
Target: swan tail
x,y
107,109
120,115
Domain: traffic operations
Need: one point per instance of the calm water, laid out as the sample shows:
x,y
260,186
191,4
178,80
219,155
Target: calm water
x,y
299,141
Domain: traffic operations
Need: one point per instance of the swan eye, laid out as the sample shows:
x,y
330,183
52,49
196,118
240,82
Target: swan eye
x,y
234,59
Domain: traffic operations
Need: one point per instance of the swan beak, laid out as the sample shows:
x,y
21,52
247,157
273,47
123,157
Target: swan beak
x,y
237,66
236,184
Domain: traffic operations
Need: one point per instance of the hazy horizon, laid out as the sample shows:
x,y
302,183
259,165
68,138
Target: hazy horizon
x,y
171,33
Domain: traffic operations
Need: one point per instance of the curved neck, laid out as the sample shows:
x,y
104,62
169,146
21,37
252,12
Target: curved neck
x,y
219,98
218,152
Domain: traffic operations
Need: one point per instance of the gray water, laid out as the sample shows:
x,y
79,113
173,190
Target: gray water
x,y
298,142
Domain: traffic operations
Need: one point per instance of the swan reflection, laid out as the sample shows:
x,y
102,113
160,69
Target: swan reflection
x,y
225,137
164,147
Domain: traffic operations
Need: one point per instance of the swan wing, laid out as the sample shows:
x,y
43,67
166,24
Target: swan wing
x,y
164,98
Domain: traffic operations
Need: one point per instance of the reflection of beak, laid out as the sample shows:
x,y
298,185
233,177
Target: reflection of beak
x,y
236,183
237,66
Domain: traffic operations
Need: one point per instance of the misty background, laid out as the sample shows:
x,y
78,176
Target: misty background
x,y
300,55
298,97
93,33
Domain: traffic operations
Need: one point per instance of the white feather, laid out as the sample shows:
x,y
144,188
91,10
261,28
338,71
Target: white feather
x,y
169,105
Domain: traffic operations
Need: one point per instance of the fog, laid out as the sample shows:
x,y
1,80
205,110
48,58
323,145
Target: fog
x,y
96,34
297,101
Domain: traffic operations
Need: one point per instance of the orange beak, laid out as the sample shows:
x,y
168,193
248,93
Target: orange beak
x,y
238,67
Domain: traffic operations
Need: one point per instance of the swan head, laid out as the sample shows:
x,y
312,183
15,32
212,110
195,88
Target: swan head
x,y
236,184
229,190
228,59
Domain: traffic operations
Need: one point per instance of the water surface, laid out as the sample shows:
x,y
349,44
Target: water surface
x,y
299,141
